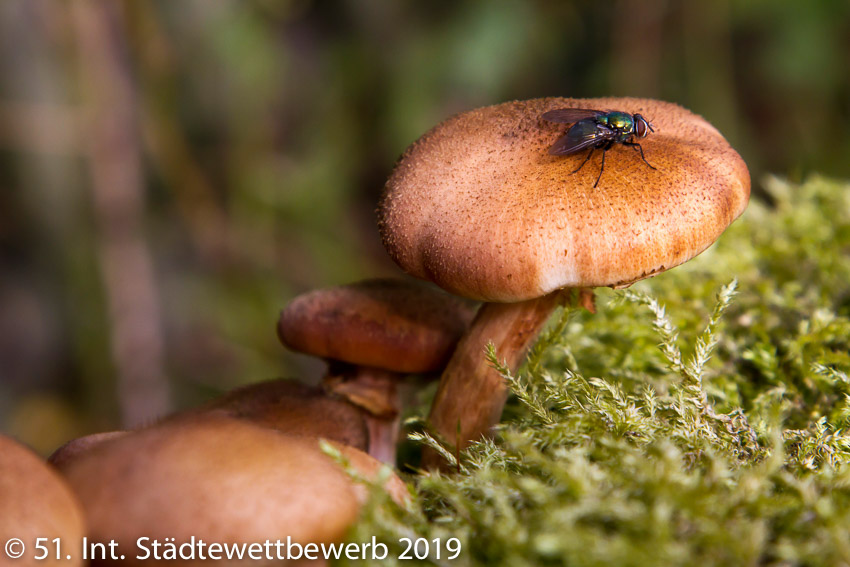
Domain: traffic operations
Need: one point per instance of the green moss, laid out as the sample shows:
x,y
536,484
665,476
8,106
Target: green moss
x,y
692,421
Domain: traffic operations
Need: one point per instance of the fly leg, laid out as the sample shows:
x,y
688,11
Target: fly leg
x,y
638,146
601,169
590,153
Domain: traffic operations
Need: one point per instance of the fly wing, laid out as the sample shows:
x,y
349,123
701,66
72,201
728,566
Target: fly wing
x,y
582,135
570,115
567,145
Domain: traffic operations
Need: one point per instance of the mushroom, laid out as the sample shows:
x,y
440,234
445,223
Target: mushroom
x,y
479,207
373,332
37,503
219,480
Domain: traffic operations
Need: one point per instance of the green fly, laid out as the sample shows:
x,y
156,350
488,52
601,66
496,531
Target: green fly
x,y
597,130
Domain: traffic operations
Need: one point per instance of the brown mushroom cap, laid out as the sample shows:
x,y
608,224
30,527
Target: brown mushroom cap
x,y
478,206
220,480
391,324
35,502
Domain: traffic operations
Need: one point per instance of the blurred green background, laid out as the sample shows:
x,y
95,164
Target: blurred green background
x,y
173,172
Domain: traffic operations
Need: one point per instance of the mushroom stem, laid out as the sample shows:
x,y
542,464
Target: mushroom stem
x,y
375,392
471,394
383,437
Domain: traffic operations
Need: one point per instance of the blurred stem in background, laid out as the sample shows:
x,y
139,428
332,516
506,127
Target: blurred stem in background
x,y
165,139
111,134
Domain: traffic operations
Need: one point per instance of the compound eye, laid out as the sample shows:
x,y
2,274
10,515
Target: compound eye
x,y
640,127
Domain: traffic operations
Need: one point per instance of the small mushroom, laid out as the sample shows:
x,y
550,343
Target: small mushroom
x,y
372,333
220,480
36,502
479,207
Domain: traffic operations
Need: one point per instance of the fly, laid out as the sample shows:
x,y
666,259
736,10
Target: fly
x,y
597,130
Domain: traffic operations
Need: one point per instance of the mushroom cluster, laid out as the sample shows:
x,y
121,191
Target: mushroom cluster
x,y
247,466
482,209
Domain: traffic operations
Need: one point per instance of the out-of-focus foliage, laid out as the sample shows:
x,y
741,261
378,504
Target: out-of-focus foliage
x,y
265,130
691,421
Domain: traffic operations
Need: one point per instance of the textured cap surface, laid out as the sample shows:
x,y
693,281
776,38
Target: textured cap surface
x,y
478,206
391,324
